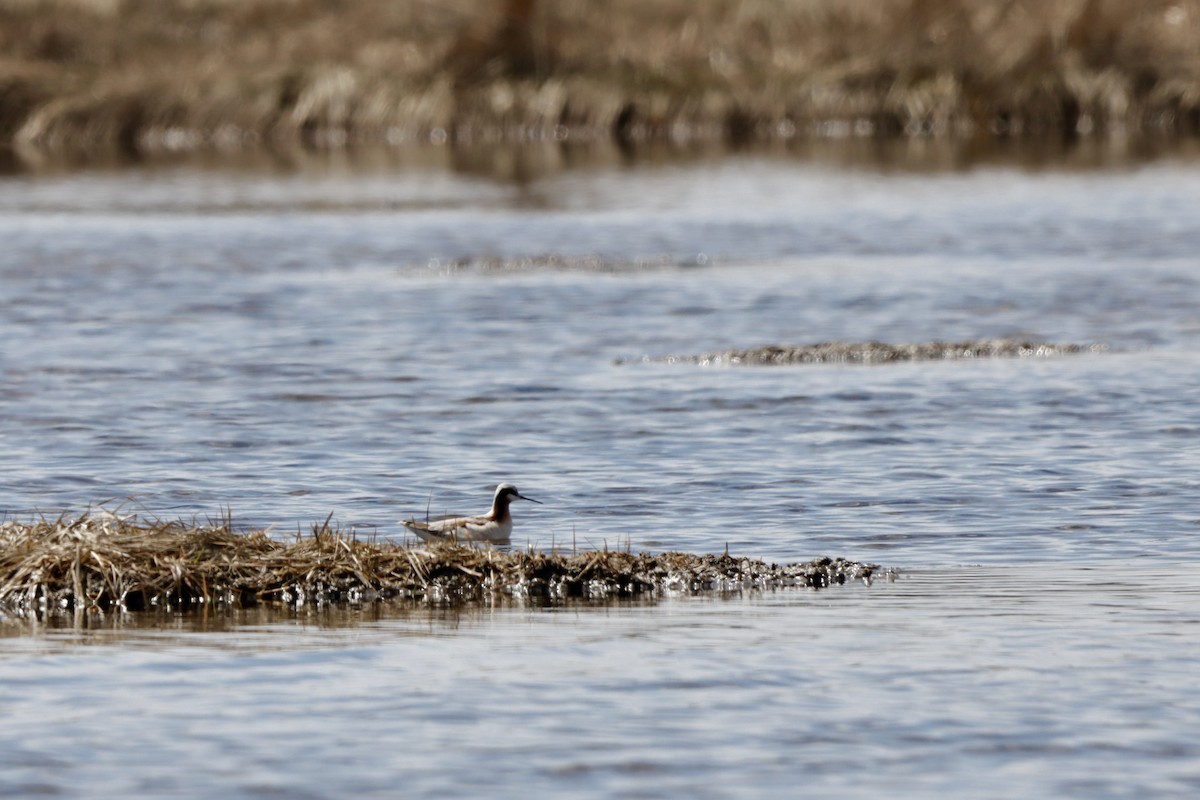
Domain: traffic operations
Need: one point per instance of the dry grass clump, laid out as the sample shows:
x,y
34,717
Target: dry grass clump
x,y
882,353
101,561
140,75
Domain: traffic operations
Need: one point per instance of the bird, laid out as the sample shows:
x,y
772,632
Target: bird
x,y
494,527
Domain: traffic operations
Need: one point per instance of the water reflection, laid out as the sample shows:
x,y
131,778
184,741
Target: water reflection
x,y
523,164
287,626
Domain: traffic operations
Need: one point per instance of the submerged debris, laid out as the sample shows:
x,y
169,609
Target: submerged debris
x,y
546,262
108,562
880,353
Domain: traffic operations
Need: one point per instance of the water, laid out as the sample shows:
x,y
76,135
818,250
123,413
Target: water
x,y
1056,681
375,342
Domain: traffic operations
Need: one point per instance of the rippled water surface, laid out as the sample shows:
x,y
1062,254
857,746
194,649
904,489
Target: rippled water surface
x,y
373,343
987,682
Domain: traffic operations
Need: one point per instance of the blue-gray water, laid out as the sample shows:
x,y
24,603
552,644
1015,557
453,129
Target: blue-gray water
x,y
291,343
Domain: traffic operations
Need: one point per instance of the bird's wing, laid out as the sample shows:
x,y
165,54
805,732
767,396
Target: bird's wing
x,y
442,529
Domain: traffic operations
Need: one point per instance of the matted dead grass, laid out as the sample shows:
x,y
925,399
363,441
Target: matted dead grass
x,y
150,75
100,561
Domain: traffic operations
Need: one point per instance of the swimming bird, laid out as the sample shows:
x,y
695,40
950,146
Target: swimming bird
x,y
494,527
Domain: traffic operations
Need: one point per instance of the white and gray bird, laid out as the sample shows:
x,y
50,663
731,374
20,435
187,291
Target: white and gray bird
x,y
494,527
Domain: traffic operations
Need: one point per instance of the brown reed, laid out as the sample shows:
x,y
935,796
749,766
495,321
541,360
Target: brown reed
x,y
101,561
148,75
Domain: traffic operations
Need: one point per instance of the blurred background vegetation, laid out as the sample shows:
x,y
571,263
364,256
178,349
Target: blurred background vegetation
x,y
140,76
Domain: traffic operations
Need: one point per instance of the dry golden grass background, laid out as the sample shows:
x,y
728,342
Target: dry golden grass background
x,y
145,75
